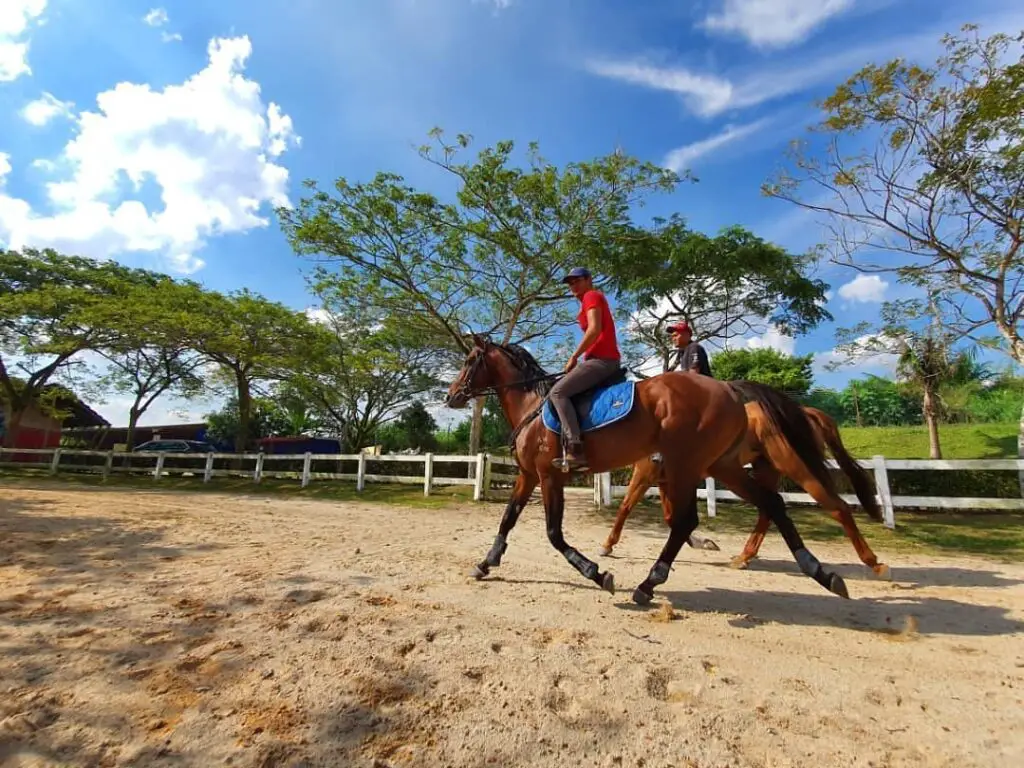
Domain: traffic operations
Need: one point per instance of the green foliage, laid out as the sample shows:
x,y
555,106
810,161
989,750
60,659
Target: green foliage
x,y
496,431
266,419
53,308
725,286
879,402
417,426
791,374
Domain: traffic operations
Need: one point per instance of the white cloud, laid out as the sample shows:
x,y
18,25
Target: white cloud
x,y
709,94
156,17
773,339
682,157
15,19
867,354
773,23
209,144
170,37
46,108
865,289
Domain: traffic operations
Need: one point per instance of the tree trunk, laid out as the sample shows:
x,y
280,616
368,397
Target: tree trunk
x,y
856,406
931,418
1020,451
133,421
10,434
244,414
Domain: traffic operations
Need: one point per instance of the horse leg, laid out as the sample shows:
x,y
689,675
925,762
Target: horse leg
x,y
770,502
766,475
520,496
844,516
642,478
680,497
553,492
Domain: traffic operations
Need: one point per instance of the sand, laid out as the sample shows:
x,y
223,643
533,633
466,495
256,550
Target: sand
x,y
151,628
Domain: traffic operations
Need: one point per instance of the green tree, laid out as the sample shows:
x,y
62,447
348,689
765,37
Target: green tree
x,y
266,419
417,427
489,261
363,368
789,373
724,286
254,341
938,197
53,308
879,402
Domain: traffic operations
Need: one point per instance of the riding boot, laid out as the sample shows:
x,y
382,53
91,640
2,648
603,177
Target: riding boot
x,y
573,457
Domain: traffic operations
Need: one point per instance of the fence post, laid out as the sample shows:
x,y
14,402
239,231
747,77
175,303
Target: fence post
x,y
597,489
478,481
884,493
709,485
257,474
208,469
55,461
361,473
428,473
108,464
307,462
606,489
159,469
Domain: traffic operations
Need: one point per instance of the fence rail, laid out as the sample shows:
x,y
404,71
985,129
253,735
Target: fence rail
x,y
606,493
489,473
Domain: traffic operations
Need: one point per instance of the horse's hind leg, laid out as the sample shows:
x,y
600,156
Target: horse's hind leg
x,y
520,496
554,513
770,502
767,476
645,473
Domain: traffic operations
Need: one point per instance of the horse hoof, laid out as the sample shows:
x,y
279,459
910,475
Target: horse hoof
x,y
477,572
605,551
641,598
837,586
739,563
608,583
710,545
882,572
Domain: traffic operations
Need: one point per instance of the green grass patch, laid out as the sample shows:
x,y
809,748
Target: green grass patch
x,y
958,441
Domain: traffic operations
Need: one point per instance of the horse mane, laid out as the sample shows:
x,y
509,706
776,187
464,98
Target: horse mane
x,y
535,378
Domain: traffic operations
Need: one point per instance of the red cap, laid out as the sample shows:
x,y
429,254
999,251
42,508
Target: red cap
x,y
681,327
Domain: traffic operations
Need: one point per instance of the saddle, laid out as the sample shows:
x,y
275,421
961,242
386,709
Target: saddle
x,y
603,404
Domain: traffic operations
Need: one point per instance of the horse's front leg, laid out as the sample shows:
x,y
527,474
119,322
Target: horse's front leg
x,y
553,492
680,499
520,496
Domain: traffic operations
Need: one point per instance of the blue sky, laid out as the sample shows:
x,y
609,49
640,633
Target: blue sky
x,y
104,106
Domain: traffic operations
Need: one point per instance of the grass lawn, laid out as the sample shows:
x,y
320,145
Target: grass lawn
x,y
958,441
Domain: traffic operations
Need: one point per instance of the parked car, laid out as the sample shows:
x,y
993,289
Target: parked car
x,y
176,446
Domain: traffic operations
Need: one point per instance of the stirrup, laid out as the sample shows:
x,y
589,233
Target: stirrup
x,y
567,464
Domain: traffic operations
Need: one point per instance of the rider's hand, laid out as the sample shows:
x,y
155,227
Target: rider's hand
x,y
571,364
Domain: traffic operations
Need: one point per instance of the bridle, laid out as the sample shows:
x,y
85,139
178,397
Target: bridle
x,y
467,392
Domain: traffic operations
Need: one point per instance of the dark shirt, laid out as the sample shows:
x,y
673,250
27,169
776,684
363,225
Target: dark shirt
x,y
693,353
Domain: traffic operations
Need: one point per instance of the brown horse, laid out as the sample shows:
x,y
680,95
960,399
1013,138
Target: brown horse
x,y
769,460
698,424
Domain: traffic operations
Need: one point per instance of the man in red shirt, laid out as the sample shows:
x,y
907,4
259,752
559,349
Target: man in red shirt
x,y
600,352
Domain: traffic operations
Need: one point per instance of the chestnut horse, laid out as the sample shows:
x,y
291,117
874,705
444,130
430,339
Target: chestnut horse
x,y
697,423
770,460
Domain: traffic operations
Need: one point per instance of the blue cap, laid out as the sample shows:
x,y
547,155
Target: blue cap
x,y
576,272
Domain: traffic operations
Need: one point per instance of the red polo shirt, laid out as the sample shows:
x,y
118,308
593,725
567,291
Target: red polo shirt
x,y
605,347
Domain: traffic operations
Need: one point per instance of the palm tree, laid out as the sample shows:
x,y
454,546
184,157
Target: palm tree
x,y
927,361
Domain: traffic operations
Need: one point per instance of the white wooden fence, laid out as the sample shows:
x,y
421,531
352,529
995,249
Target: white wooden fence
x,y
490,472
606,494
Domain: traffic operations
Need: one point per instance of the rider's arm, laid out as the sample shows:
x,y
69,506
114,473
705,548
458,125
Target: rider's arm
x,y
593,331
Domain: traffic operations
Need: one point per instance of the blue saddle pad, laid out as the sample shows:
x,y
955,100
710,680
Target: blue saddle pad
x,y
597,408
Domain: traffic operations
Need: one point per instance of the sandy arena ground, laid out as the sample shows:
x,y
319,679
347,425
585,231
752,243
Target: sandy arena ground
x,y
206,630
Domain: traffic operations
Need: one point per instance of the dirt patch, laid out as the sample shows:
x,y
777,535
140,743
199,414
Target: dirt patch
x,y
154,628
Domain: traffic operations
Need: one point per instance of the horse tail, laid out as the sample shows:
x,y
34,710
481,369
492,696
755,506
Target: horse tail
x,y
861,481
789,423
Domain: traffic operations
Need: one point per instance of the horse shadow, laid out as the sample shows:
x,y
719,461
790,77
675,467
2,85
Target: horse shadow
x,y
879,615
904,577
